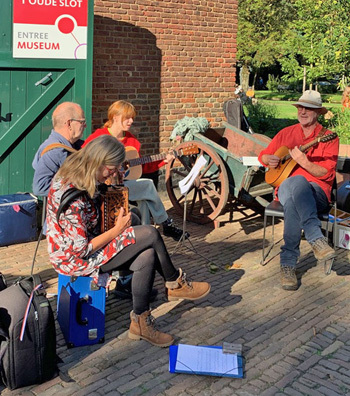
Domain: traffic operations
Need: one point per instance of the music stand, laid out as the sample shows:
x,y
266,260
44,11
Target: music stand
x,y
185,186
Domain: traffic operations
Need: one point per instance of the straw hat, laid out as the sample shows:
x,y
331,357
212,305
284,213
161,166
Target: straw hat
x,y
311,99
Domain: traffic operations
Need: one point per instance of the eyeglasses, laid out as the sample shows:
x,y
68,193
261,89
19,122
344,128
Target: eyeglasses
x,y
302,108
82,122
111,171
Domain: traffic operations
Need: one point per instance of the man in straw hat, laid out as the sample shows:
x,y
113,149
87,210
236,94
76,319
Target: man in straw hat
x,y
307,190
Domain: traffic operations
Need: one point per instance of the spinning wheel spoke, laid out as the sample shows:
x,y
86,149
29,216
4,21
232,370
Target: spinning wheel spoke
x,y
212,190
207,168
180,173
211,203
200,198
180,199
193,201
209,192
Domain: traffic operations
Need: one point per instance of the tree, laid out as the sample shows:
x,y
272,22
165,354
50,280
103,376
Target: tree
x,y
261,24
318,40
311,35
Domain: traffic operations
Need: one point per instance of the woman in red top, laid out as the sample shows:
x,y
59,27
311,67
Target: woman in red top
x,y
121,116
76,248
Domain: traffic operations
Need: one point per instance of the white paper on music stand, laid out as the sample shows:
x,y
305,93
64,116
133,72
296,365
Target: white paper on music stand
x,y
187,182
198,359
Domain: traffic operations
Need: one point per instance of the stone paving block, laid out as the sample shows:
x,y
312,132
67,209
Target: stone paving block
x,y
328,392
246,305
158,382
292,392
270,391
61,391
259,384
135,382
340,362
181,386
91,388
309,362
323,382
306,390
332,348
113,384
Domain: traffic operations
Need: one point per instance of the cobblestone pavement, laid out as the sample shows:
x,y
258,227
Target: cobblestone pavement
x,y
294,343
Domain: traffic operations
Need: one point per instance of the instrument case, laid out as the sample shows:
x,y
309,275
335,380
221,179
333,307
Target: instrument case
x,y
81,310
18,218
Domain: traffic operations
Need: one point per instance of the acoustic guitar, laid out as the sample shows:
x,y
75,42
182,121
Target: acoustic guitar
x,y
132,167
275,176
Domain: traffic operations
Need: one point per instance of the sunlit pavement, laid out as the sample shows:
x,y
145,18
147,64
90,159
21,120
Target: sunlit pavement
x,y
294,343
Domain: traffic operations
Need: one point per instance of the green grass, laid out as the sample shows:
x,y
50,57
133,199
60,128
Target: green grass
x,y
286,113
291,96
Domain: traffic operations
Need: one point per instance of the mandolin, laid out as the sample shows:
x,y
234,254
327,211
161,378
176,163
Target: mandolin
x,y
132,167
275,176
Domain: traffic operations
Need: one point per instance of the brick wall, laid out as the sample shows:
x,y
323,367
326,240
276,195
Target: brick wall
x,y
170,58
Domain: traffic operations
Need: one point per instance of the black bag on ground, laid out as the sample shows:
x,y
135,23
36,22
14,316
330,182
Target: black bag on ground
x,y
27,342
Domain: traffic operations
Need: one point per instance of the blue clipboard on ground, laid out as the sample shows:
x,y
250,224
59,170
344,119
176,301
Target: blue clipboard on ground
x,y
204,360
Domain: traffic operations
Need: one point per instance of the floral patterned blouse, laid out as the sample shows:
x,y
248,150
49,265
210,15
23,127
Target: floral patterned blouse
x,y
69,242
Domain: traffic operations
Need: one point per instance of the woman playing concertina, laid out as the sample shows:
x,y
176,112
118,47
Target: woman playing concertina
x,y
76,249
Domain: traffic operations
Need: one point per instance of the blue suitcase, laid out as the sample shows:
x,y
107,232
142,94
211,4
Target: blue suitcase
x,y
18,218
81,310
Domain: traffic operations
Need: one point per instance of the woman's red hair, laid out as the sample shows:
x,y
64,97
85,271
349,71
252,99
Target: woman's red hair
x,y
120,107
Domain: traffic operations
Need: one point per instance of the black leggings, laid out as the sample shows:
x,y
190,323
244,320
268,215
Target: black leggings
x,y
143,258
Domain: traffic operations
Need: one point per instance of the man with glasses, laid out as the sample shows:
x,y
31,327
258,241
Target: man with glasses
x,y
68,120
307,191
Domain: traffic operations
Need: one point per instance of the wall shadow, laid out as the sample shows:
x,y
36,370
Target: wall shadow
x,y
126,66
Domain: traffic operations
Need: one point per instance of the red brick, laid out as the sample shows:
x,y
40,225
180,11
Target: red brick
x,y
174,49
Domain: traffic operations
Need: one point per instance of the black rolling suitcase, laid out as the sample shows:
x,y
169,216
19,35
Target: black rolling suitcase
x,y
27,334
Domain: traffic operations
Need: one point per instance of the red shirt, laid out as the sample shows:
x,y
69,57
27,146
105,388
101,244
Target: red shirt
x,y
323,154
70,247
128,140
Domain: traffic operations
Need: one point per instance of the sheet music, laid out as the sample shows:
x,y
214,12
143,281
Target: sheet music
x,y
187,182
198,359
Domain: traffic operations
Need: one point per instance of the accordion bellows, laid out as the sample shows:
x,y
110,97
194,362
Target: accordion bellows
x,y
113,199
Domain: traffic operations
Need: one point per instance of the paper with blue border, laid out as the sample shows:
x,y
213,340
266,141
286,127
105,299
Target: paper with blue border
x,y
234,372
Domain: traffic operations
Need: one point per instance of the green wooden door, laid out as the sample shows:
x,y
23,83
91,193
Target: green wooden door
x,y
29,91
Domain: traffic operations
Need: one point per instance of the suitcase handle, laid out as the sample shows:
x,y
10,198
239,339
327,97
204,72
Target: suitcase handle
x,y
79,319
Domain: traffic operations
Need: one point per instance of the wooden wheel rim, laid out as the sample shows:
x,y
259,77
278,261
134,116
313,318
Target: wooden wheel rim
x,y
210,191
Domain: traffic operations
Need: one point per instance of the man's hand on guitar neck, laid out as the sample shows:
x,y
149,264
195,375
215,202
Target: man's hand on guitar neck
x,y
271,161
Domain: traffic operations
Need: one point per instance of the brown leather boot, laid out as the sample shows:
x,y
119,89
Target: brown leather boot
x,y
185,289
322,250
289,280
142,327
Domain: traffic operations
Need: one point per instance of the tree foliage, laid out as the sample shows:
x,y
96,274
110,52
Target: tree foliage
x,y
260,26
298,34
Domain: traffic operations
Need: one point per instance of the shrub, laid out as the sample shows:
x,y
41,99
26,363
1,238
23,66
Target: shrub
x,y
327,89
273,83
339,123
261,117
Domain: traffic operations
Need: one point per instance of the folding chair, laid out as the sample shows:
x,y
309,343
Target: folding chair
x,y
275,209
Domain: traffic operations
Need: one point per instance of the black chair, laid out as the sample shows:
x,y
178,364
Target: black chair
x,y
275,209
